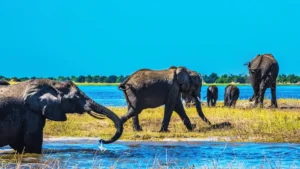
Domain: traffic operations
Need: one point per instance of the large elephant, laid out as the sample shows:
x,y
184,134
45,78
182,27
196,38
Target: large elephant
x,y
231,95
263,70
4,83
212,95
149,89
24,108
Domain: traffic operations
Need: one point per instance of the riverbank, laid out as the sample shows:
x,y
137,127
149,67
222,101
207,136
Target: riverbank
x,y
205,84
248,124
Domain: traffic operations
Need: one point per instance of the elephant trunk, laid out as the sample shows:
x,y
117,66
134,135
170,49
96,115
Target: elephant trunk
x,y
97,108
200,112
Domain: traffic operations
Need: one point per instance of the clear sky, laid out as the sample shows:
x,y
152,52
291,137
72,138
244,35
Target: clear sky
x,y
68,37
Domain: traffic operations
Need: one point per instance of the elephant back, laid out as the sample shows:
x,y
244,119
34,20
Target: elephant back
x,y
145,77
262,61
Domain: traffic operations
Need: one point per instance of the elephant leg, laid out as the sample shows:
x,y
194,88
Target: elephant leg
x,y
135,123
262,90
18,145
169,107
273,92
226,100
33,142
207,100
131,113
252,97
33,133
214,102
179,109
233,102
256,101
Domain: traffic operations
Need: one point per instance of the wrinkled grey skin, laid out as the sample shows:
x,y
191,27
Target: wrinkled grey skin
x,y
263,70
24,108
231,95
189,101
212,95
4,83
150,89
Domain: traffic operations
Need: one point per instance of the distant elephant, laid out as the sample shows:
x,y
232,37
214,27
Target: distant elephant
x,y
189,101
24,108
263,70
212,95
150,89
231,95
4,83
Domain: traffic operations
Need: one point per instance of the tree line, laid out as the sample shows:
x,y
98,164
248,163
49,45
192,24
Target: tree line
x,y
212,78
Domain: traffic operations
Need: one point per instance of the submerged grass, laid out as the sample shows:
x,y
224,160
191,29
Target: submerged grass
x,y
248,124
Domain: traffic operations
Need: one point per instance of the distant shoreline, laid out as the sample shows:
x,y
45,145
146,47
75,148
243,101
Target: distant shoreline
x,y
206,84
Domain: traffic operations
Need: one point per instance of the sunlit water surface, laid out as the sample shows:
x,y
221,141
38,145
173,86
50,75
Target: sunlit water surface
x,y
86,154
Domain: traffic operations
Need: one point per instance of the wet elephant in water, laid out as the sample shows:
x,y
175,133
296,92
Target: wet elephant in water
x,y
231,95
24,108
263,70
153,88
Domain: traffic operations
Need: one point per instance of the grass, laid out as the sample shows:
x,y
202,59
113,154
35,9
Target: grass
x,y
248,124
31,161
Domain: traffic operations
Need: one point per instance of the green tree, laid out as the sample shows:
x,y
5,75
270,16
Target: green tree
x,y
80,79
103,79
74,78
112,79
89,79
120,79
96,79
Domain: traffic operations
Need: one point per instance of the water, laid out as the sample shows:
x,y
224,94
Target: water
x,y
86,154
111,96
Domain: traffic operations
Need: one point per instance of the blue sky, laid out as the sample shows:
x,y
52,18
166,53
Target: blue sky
x,y
52,38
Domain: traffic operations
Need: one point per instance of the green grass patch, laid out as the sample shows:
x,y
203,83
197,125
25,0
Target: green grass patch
x,y
248,124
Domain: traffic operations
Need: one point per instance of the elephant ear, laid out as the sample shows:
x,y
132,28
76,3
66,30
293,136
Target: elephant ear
x,y
46,99
183,78
196,83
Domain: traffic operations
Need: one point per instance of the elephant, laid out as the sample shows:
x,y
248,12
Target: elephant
x,y
263,70
24,108
153,88
231,95
189,101
4,83
212,95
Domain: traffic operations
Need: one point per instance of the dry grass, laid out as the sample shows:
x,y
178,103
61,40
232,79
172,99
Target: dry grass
x,y
248,124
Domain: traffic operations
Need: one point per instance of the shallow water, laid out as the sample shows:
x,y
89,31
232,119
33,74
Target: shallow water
x,y
86,154
111,96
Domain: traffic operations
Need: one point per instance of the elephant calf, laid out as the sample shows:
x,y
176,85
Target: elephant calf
x,y
212,95
231,96
24,108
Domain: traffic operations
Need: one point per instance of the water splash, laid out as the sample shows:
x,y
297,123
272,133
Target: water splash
x,y
102,149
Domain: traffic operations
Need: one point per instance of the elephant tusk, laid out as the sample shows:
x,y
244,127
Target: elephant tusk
x,y
97,116
198,99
